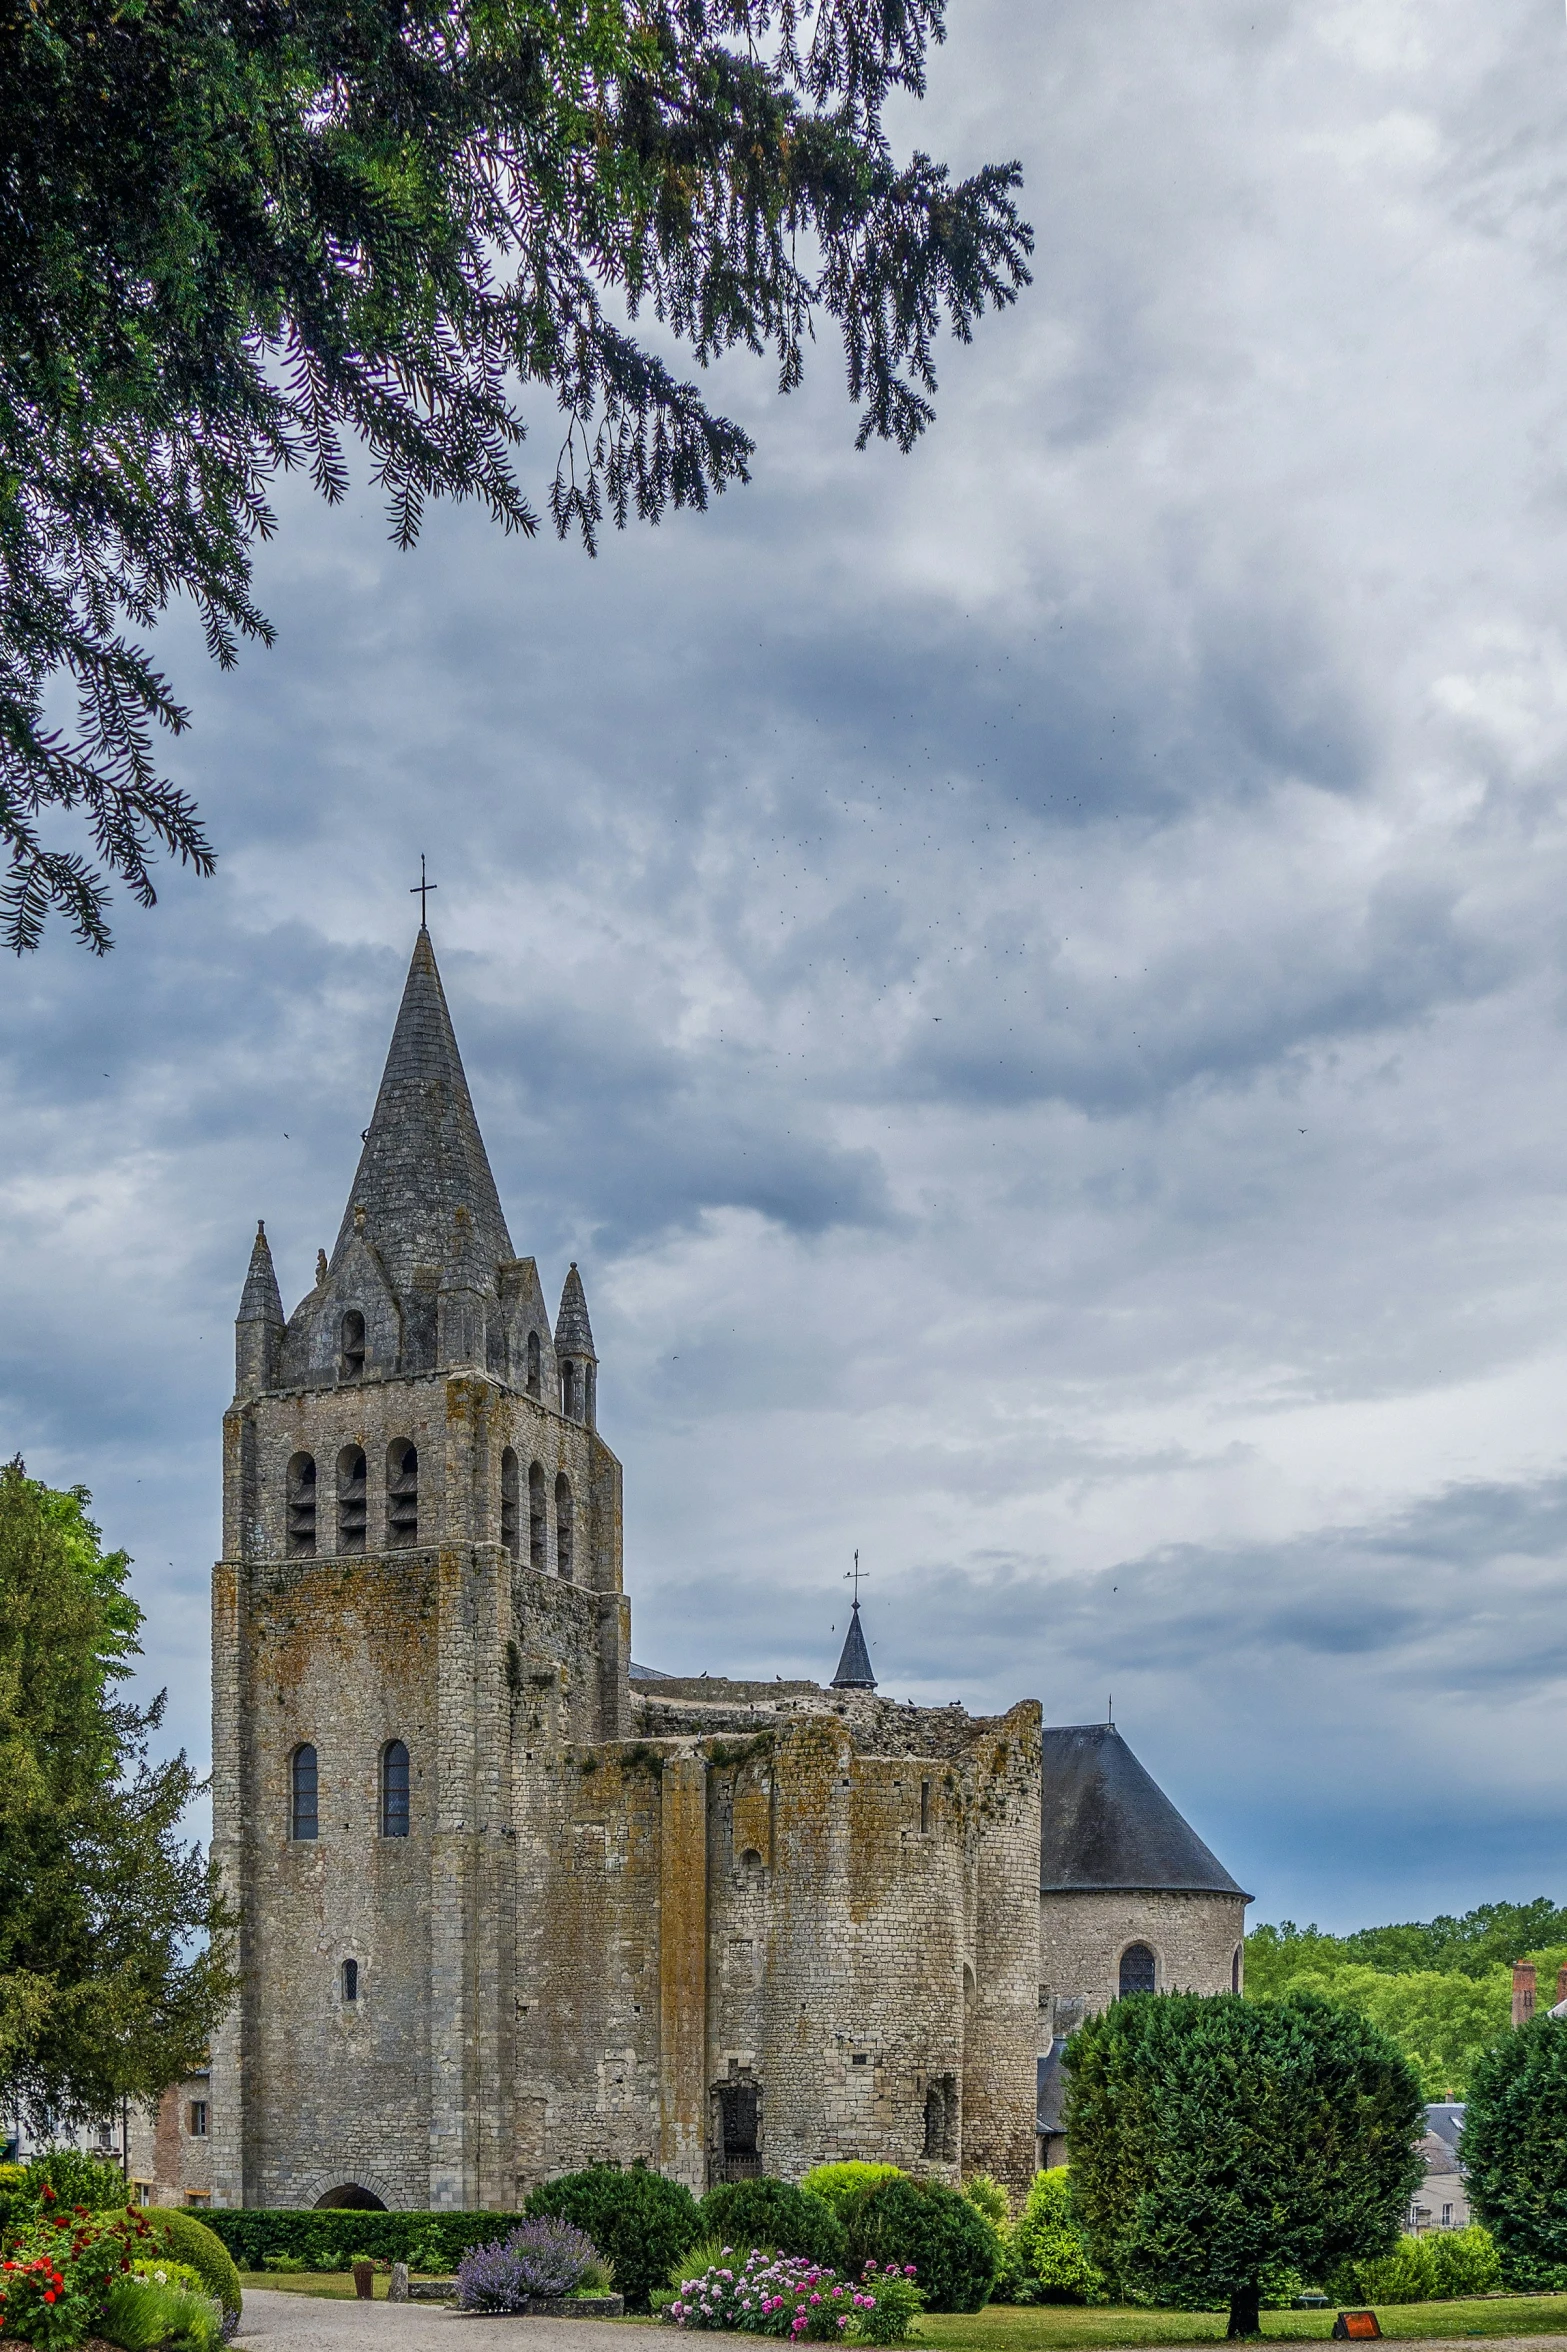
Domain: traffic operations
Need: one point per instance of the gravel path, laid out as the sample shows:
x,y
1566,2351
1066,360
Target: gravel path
x,y
277,2321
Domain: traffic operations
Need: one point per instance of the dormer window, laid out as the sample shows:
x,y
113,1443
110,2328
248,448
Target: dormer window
x,y
351,1357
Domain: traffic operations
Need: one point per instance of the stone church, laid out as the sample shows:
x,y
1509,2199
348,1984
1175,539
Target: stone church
x,y
510,1904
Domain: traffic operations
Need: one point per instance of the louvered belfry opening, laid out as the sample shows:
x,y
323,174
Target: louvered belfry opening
x,y
303,1787
351,1504
509,1501
402,1495
394,1790
302,1506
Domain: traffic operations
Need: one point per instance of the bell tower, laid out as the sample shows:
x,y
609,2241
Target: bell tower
x,y
419,1518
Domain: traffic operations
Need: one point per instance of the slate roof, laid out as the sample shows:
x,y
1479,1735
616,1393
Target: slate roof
x,y
854,1667
1108,1825
424,1157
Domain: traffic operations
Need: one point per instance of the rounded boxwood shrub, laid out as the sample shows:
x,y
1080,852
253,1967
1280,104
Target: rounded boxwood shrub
x,y
191,2242
774,2213
642,2222
955,2252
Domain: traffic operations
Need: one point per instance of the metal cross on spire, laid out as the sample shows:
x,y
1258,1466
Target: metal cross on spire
x,y
421,890
853,1576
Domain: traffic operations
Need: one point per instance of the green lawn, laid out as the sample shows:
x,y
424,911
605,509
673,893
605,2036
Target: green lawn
x,y
313,2282
1042,2327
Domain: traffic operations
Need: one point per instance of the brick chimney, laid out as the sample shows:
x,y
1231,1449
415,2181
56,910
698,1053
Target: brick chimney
x,y
1523,1991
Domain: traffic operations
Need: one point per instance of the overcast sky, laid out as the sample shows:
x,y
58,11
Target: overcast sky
x,y
1030,976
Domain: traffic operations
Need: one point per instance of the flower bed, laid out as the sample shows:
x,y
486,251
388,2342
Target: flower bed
x,y
784,2295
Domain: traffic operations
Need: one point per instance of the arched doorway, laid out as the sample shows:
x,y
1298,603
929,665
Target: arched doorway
x,y
350,2198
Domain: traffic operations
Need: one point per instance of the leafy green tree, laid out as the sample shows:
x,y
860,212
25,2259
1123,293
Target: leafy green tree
x,y
1442,2023
1214,2139
1491,1936
102,1995
1515,2151
234,238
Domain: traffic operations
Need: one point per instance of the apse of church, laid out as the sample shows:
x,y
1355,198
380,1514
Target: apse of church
x,y
509,1904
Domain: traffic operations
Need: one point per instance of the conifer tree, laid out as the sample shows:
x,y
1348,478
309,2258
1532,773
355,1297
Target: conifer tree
x,y
239,237
114,1943
1515,2151
1214,2139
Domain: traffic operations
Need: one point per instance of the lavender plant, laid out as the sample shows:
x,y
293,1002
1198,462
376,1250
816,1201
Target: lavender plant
x,y
545,2259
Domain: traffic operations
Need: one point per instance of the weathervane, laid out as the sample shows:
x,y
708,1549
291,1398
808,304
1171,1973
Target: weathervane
x,y
421,890
853,1575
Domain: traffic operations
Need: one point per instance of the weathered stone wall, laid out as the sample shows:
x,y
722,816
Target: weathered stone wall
x,y
1194,1939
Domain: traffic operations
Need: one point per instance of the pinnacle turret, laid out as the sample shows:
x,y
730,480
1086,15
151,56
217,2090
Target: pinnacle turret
x,y
574,1353
258,1327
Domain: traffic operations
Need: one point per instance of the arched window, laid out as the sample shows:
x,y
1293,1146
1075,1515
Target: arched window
x,y
394,1789
509,1499
538,1520
351,1506
1235,1968
302,1506
1139,1970
935,2120
302,1817
563,1532
402,1495
568,1390
590,1395
350,1980
535,1365
351,1359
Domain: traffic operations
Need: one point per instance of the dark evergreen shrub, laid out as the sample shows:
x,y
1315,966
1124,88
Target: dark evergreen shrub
x,y
955,2252
1515,2151
774,2213
641,2221
1215,2140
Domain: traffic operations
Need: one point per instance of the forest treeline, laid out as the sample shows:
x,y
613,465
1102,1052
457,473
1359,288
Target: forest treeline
x,y
1442,1988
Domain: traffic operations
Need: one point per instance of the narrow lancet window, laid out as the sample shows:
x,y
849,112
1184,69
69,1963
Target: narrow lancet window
x,y
394,1790
568,1391
351,1505
350,1980
351,1360
538,1519
402,1495
535,1365
563,1526
302,1793
302,1506
509,1501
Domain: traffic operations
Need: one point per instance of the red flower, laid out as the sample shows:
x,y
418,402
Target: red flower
x,y
49,2294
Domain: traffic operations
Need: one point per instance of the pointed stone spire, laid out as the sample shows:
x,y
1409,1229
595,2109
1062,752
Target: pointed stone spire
x,y
854,1667
573,1331
574,1353
424,1158
258,1327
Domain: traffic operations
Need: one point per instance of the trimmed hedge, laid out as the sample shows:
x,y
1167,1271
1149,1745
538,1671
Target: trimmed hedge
x,y
774,2213
326,2238
955,2252
640,2220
